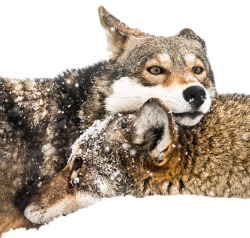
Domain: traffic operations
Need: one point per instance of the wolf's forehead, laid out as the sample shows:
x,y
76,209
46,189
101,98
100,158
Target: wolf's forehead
x,y
174,49
170,44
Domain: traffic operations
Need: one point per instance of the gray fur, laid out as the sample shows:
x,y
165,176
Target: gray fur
x,y
40,119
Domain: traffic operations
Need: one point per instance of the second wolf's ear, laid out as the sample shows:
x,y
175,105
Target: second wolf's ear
x,y
117,31
191,35
155,128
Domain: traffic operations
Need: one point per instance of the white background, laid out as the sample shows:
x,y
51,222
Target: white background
x,y
41,38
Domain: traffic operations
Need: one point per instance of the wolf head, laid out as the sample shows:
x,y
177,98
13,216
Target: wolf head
x,y
111,158
175,69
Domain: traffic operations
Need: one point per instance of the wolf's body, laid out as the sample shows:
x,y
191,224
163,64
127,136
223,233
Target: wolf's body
x,y
41,119
146,153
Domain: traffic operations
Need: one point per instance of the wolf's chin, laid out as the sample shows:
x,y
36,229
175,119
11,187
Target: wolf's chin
x,y
188,118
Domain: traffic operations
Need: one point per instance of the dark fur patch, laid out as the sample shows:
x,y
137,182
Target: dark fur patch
x,y
22,197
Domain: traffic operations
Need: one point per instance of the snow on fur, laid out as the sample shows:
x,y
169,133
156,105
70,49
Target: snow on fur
x,y
156,216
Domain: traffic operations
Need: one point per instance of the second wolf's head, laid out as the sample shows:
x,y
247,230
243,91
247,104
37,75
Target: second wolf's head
x,y
175,69
113,157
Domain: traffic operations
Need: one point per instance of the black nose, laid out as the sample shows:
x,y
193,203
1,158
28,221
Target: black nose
x,y
195,95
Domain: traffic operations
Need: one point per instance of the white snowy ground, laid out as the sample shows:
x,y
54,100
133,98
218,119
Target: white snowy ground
x,y
44,37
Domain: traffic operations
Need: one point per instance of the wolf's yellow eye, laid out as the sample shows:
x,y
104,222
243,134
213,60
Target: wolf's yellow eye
x,y
155,70
197,69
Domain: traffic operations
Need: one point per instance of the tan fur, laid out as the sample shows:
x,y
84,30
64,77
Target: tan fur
x,y
212,159
41,118
174,76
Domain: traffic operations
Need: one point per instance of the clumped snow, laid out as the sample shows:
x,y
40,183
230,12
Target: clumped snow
x,y
93,131
48,149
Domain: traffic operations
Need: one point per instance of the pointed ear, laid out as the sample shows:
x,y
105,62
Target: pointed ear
x,y
156,128
191,35
117,31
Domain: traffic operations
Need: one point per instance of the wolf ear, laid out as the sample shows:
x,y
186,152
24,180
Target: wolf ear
x,y
191,35
155,127
117,31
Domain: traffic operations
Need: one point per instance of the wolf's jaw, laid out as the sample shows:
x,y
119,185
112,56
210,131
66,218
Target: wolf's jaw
x,y
191,115
188,118
39,215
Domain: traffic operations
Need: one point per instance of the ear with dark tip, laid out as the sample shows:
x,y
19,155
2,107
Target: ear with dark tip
x,y
155,127
117,31
191,35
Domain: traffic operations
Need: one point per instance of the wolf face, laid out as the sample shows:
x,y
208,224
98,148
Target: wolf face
x,y
175,69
